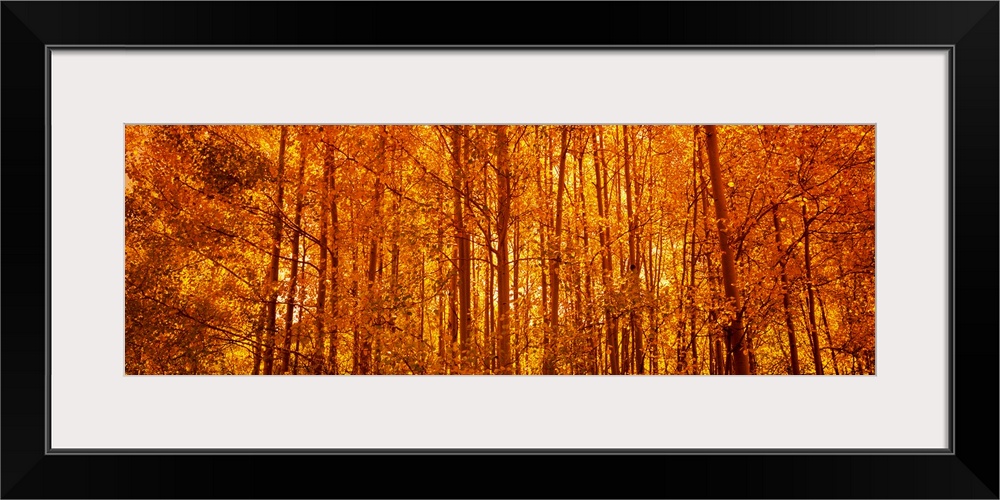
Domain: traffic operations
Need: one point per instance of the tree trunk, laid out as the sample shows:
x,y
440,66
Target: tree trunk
x,y
711,357
625,350
593,339
813,331
579,351
604,235
829,338
298,336
720,364
365,362
489,347
324,250
737,349
272,275
489,352
654,270
365,355
793,348
450,340
544,189
695,365
258,344
446,302
680,340
544,277
334,250
515,330
551,345
633,262
355,303
286,348
503,272
710,269
459,185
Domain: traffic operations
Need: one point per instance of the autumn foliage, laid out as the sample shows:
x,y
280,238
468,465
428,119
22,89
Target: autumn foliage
x,y
500,249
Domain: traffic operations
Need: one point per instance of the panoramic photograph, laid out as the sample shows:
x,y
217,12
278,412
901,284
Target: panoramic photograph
x,y
500,249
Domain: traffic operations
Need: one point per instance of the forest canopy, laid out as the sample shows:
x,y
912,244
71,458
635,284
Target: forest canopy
x,y
500,249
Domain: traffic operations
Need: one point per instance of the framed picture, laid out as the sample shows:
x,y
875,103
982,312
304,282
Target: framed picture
x,y
871,127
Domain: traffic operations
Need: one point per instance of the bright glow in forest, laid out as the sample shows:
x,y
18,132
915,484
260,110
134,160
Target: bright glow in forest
x,y
500,249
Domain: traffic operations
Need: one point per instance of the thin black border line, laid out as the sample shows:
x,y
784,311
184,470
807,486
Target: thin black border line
x,y
48,250
950,250
493,451
950,267
561,48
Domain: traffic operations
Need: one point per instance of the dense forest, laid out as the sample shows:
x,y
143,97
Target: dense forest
x,y
500,249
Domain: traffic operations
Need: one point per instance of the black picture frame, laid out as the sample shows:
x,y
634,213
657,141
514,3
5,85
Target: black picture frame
x,y
968,29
